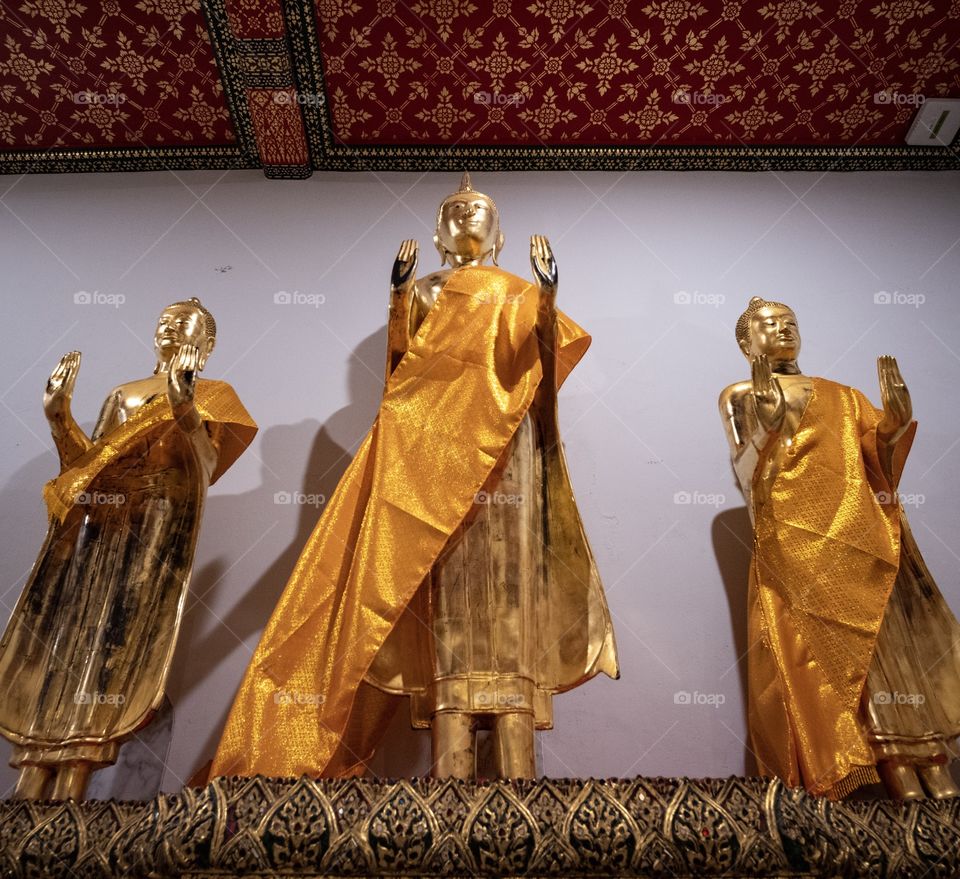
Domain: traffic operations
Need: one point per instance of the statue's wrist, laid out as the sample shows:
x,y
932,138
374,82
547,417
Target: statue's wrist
x,y
183,408
890,436
59,416
767,435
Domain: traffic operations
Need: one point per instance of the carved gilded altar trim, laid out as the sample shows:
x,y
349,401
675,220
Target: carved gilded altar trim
x,y
427,827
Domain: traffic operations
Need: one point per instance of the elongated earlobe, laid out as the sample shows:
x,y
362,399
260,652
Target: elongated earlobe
x,y
498,247
205,350
440,250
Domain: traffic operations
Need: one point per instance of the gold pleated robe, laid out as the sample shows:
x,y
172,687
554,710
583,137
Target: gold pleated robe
x,y
450,409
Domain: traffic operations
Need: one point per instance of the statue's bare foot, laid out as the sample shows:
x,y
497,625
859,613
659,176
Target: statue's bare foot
x,y
900,780
939,782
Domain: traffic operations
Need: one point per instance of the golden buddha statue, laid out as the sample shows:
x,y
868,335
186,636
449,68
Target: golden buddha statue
x,y
451,565
854,661
85,656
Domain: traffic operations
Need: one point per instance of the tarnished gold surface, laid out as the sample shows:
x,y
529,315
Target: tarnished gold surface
x,y
87,650
451,564
669,827
848,632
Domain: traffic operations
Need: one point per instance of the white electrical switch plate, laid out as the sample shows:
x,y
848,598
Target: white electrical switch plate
x,y
936,123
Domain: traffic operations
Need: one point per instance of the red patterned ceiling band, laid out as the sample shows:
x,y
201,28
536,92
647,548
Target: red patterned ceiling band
x,y
292,85
568,73
278,124
266,69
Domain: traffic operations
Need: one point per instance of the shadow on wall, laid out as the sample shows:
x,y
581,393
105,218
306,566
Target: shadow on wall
x,y
23,494
732,535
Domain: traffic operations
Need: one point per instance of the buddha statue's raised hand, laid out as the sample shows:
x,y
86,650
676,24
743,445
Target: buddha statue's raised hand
x,y
403,280
59,392
768,396
897,407
181,385
545,273
69,438
404,268
544,268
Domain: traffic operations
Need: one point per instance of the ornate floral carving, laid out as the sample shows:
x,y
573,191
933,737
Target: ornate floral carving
x,y
631,828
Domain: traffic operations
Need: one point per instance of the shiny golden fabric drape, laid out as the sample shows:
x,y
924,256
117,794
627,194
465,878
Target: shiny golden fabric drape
x,y
217,404
449,410
825,559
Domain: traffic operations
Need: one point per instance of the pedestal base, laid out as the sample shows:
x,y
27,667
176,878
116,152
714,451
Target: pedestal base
x,y
640,827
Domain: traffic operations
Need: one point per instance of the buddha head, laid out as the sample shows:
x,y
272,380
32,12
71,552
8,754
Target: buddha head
x,y
468,227
184,323
769,328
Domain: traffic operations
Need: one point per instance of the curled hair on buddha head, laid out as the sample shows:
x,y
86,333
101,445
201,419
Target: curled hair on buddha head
x,y
743,323
209,324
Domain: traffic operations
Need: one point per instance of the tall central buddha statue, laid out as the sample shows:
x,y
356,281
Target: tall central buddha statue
x,y
451,565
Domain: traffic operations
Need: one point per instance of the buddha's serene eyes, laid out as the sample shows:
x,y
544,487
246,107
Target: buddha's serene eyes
x,y
771,323
459,207
181,321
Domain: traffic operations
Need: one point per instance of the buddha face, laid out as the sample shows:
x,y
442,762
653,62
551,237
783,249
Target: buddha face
x,y
468,228
774,332
179,325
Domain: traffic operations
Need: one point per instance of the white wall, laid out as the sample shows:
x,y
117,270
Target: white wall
x,y
639,414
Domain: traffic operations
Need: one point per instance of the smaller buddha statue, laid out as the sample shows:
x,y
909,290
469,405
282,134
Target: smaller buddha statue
x,y
85,656
854,660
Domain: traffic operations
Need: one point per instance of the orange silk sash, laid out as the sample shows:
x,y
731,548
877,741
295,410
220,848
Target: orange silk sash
x,y
448,412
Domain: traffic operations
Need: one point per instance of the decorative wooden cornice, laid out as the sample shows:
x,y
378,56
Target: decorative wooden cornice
x,y
250,44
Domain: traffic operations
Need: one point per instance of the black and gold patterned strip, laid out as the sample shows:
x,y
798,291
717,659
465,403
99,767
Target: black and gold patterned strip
x,y
57,161
734,827
251,64
307,63
226,51
530,159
